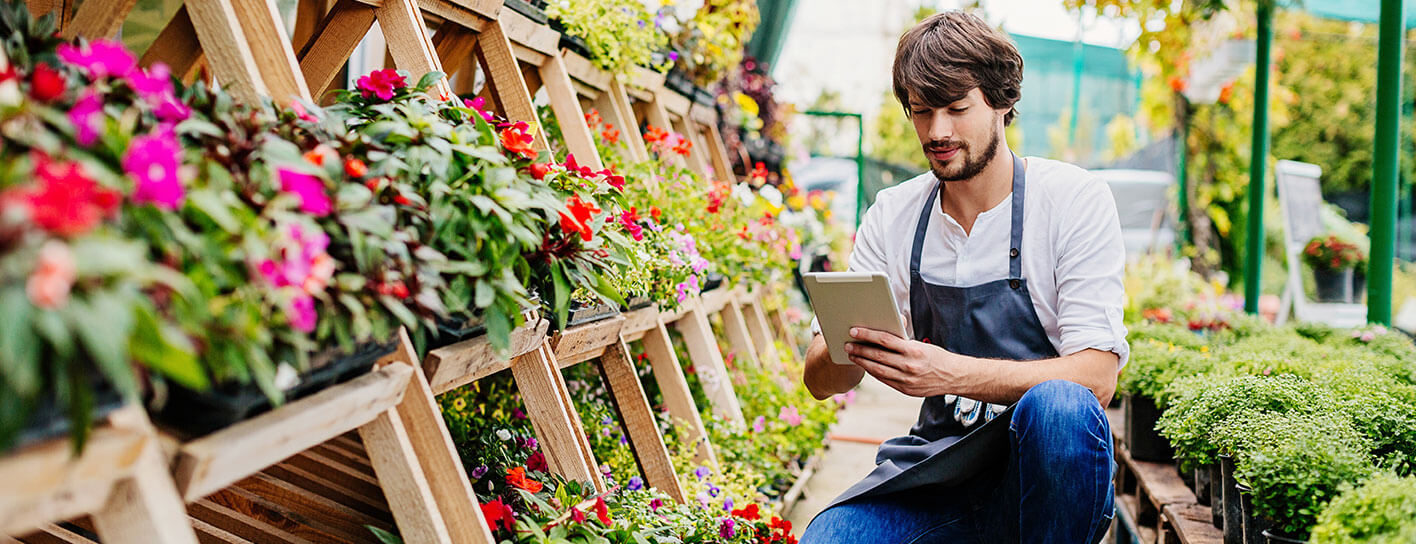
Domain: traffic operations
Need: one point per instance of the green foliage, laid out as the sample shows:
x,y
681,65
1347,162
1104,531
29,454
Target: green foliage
x,y
1380,511
620,33
1198,407
1154,364
1296,463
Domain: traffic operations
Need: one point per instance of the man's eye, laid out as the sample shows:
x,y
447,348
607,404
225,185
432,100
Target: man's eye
x,y
959,110
920,112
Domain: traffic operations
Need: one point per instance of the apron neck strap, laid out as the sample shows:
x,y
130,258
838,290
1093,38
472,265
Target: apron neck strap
x,y
1015,238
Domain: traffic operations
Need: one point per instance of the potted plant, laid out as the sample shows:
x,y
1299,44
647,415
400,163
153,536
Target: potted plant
x,y
1383,509
1333,261
616,35
1153,365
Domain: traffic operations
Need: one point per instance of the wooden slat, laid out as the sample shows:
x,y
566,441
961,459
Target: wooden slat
x,y
458,13
647,79
263,511
221,458
534,36
454,45
529,58
735,327
627,394
408,40
459,364
785,331
659,349
508,88
759,331
145,507
98,19
226,48
708,362
614,106
176,46
590,337
1192,524
655,115
673,102
578,139
320,484
50,534
333,41
714,301
641,320
409,494
337,473
271,49
40,8
238,523
431,444
211,534
311,505
584,71
543,390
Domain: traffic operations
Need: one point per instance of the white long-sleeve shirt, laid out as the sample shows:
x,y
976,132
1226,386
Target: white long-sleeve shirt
x,y
1073,257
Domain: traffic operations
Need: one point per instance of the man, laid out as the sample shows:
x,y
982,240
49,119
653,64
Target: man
x,y
1010,271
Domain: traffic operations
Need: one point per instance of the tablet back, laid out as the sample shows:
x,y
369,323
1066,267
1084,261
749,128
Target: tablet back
x,y
843,300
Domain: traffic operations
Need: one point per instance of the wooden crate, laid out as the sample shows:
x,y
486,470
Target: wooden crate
x,y
1153,505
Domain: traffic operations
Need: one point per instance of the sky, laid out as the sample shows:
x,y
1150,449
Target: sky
x,y
847,45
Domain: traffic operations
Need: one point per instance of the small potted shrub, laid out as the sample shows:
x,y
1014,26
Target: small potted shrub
x,y
1381,510
1333,261
1153,365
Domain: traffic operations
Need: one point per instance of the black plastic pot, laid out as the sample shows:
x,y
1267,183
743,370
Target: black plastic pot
x,y
532,9
198,413
637,303
1216,496
580,315
1187,477
1202,485
1359,284
703,97
713,281
676,80
1333,285
1233,507
1142,439
1254,526
50,419
1275,538
456,329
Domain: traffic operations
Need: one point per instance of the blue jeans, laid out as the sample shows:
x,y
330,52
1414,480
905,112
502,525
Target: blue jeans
x,y
1056,486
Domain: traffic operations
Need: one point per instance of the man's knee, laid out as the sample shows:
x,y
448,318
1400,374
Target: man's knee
x,y
1056,409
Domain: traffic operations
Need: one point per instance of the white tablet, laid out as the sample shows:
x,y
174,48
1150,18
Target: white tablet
x,y
843,300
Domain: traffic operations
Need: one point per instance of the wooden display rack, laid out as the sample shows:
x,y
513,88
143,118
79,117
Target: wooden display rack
x,y
1152,503
120,480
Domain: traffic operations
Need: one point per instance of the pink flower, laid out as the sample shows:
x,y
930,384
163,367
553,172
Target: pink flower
x,y
301,262
48,286
301,112
311,190
301,313
381,83
688,288
480,105
154,162
790,415
152,84
99,58
88,118
759,424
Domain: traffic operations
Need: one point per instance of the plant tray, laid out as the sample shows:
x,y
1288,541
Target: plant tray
x,y
637,303
50,420
532,9
453,330
677,81
580,315
199,413
573,43
703,97
713,281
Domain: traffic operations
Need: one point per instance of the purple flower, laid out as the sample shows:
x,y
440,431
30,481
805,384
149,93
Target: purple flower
x,y
153,161
87,117
673,56
531,443
656,504
607,421
759,424
479,472
714,490
702,472
100,58
624,439
605,469
728,504
310,189
516,413
635,483
727,528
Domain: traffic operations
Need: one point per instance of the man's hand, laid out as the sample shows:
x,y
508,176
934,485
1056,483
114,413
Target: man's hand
x,y
911,367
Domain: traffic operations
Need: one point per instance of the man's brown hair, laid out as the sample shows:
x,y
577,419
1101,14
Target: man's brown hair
x,y
948,54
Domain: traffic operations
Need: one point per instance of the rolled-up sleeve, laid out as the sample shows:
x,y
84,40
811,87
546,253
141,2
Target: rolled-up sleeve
x,y
1091,260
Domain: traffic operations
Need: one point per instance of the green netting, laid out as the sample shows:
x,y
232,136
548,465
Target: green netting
x,y
1350,10
1109,87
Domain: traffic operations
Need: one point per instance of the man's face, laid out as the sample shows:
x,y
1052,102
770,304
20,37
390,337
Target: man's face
x,y
959,139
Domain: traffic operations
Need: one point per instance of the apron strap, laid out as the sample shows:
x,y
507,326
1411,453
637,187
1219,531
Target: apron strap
x,y
921,228
1015,240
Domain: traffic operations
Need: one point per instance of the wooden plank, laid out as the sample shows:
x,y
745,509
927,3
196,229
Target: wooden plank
x,y
708,363
40,8
508,88
530,34
235,522
459,364
668,373
267,512
176,46
333,41
578,139
356,462
615,108
457,13
757,327
431,445
718,153
1192,524
98,19
670,316
317,483
409,494
211,534
542,387
627,395
714,301
51,534
221,458
226,48
408,41
454,45
735,327
785,331
529,58
583,70
697,157
641,320
588,337
673,102
308,14
274,56
337,473
310,504
145,507
647,79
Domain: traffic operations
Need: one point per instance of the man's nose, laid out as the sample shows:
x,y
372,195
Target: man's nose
x,y
941,126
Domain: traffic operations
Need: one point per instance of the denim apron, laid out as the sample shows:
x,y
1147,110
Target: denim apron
x,y
956,438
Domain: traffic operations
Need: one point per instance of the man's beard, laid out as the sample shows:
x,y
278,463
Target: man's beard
x,y
973,164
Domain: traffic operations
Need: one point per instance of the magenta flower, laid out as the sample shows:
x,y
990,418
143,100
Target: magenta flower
x,y
311,190
759,424
99,58
727,528
656,504
688,288
381,83
479,104
301,313
790,415
87,117
154,161
152,84
301,262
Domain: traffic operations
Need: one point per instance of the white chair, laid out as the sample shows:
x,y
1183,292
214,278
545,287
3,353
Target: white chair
x,y
1300,198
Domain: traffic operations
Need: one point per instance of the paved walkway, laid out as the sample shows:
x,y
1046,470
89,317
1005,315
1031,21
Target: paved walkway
x,y
877,413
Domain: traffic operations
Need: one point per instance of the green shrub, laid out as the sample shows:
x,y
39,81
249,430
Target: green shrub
x,y
1198,406
1296,463
1381,511
1155,364
1166,333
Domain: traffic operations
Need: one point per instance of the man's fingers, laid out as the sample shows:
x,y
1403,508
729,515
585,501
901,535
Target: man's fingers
x,y
885,339
874,353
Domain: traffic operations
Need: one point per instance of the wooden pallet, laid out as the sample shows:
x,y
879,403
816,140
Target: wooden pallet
x,y
1153,505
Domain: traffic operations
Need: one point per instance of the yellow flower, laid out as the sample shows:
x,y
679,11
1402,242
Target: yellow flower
x,y
459,403
796,202
745,102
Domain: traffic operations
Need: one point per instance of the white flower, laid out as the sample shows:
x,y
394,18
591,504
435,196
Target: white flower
x,y
744,194
503,435
772,195
285,377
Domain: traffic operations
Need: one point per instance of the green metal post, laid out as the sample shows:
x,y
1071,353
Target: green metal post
x,y
1078,54
1258,162
1182,180
859,158
1389,45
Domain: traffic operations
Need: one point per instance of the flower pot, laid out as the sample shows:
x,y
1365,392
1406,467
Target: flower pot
x,y
50,419
1333,285
1274,538
1144,443
1216,493
581,314
704,98
713,281
532,9
676,80
1202,485
1233,507
197,413
637,303
573,43
1187,477
1359,284
452,330
1254,526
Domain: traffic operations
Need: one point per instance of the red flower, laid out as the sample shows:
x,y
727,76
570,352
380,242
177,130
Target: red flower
x,y
576,515
602,511
402,200
46,83
749,513
579,220
381,83
653,134
630,220
742,233
373,184
355,168
610,134
1178,84
654,212
759,171
65,201
537,462
496,511
681,145
593,118
516,139
539,170
779,523
516,477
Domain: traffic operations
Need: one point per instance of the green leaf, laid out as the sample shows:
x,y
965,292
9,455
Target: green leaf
x,y
210,203
165,350
384,536
19,347
104,322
